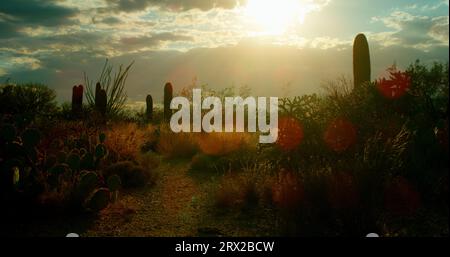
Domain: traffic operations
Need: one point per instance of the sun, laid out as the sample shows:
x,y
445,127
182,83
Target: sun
x,y
274,17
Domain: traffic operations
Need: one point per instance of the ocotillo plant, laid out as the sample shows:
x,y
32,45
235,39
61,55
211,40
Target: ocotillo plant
x,y
77,99
149,111
114,85
100,99
361,60
168,94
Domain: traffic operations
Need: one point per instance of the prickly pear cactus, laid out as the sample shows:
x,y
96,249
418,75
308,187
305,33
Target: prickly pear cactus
x,y
57,172
99,200
87,161
361,60
74,161
87,183
168,95
149,111
100,151
102,137
77,99
50,161
61,157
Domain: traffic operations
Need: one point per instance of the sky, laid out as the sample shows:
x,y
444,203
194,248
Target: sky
x,y
274,47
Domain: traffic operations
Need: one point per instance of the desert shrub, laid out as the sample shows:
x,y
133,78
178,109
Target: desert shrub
x,y
126,139
149,160
27,101
176,145
401,198
342,191
204,163
288,191
229,194
223,152
236,191
132,175
384,136
250,187
220,144
65,113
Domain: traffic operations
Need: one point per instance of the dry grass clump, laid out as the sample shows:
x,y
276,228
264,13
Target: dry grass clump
x,y
126,139
176,145
220,144
248,188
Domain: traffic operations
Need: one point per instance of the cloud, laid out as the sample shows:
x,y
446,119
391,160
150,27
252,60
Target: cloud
x,y
48,43
172,5
108,20
139,42
36,12
27,62
16,16
440,28
417,31
8,30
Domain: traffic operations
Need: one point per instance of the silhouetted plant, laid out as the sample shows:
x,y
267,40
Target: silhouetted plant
x,y
361,60
168,95
77,99
27,101
113,86
149,110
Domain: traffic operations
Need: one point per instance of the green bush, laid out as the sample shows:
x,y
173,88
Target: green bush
x,y
27,101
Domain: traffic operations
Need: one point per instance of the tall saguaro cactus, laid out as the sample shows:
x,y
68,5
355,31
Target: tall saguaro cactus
x,y
100,99
361,60
168,95
77,99
149,111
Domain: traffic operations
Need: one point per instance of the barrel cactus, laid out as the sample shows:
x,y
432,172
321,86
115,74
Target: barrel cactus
x,y
168,95
99,200
361,61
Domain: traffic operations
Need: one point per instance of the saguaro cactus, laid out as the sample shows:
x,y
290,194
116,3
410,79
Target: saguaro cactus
x,y
361,60
77,99
98,87
100,99
168,95
149,111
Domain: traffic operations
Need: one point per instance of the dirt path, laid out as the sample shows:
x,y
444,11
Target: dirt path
x,y
178,205
168,209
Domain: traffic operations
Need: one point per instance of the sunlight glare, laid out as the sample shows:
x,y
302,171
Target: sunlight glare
x,y
274,17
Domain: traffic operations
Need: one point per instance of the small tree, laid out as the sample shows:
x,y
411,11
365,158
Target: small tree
x,y
29,100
